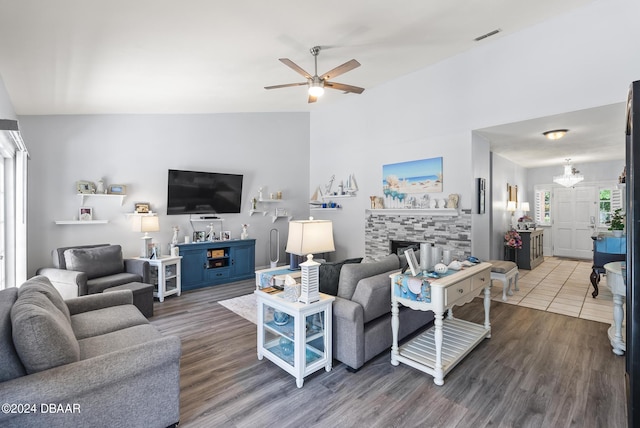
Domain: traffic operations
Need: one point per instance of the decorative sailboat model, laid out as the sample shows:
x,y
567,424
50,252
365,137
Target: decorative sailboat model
x,y
316,197
352,186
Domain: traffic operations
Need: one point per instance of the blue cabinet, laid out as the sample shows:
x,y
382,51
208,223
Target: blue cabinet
x,y
212,263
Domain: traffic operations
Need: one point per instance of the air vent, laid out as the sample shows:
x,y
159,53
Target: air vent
x,y
489,34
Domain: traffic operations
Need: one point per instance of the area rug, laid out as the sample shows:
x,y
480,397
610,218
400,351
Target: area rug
x,y
245,306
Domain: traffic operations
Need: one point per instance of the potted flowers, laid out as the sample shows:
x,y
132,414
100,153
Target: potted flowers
x,y
617,223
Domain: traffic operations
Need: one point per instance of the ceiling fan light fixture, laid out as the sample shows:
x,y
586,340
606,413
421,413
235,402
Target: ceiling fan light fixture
x,y
316,87
555,134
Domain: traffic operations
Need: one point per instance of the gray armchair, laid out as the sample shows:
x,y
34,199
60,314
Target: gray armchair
x,y
91,269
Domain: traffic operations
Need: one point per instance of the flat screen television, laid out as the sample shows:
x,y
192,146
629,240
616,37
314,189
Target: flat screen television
x,y
195,192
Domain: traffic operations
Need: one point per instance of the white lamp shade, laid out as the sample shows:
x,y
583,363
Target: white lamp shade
x,y
146,223
511,206
310,236
524,206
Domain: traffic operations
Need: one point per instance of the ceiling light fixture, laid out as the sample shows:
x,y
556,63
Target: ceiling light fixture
x,y
316,86
571,176
555,134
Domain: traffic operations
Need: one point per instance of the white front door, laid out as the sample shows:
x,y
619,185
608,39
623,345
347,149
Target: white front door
x,y
574,208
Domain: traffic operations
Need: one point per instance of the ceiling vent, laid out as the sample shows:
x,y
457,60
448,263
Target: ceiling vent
x,y
489,34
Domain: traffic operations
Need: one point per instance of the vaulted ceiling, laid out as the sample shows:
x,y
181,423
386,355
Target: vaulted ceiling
x,y
210,56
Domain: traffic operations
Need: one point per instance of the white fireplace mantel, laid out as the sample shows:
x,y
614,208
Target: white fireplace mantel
x,y
412,212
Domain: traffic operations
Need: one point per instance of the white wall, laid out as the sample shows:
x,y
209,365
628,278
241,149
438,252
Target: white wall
x,y
6,108
504,172
579,60
271,150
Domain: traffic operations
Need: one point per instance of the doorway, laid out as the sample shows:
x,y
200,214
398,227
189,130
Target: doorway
x,y
575,210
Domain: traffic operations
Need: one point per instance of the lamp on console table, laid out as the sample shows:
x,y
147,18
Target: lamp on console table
x,y
146,224
308,237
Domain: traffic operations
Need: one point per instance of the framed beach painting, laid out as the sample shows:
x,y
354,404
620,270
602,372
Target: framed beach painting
x,y
418,176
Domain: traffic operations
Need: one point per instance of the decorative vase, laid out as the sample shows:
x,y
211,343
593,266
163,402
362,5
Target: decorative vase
x,y
286,346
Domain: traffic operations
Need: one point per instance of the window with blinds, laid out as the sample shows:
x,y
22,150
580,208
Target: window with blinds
x,y
609,200
542,209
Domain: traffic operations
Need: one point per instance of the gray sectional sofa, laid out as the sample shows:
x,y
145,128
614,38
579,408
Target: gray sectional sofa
x,y
95,358
362,312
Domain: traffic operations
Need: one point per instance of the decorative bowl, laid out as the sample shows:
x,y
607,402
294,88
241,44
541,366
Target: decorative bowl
x,y
280,318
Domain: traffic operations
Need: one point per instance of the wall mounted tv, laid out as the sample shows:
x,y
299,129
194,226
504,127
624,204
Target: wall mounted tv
x,y
193,192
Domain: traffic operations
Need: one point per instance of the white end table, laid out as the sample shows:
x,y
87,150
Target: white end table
x,y
165,276
615,281
298,342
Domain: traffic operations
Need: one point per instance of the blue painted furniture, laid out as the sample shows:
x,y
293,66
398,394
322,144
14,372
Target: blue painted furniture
x,y
606,249
219,262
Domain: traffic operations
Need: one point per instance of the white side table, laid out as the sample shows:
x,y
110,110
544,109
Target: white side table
x,y
165,276
615,281
299,340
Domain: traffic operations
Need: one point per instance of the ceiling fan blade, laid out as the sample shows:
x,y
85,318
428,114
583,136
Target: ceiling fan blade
x,y
295,67
286,85
341,69
343,87
312,99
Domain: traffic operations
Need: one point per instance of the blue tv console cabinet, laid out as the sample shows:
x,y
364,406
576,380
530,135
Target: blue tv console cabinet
x,y
213,263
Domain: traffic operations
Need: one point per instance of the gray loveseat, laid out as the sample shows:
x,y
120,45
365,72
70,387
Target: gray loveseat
x,y
91,269
362,312
95,358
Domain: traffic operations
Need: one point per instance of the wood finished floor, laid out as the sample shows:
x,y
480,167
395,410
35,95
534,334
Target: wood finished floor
x,y
539,369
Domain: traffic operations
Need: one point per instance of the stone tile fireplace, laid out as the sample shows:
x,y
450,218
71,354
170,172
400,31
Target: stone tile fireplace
x,y
447,230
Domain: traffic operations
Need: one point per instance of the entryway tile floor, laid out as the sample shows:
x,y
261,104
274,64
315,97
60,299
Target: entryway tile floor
x,y
561,286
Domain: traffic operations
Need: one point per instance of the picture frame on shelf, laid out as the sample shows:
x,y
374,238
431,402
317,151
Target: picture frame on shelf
x,y
226,235
85,213
142,208
117,189
199,236
412,261
85,187
281,212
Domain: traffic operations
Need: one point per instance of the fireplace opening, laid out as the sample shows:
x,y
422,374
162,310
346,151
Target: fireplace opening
x,y
398,247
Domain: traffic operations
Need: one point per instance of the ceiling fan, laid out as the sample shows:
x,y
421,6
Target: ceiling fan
x,y
317,83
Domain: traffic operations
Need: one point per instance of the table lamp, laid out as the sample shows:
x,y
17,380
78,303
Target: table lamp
x,y
305,238
146,224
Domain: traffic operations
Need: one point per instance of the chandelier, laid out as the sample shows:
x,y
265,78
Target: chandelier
x,y
571,176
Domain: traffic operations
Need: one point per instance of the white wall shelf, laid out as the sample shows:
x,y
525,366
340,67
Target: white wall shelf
x,y
448,212
83,222
324,209
252,212
276,217
329,197
84,196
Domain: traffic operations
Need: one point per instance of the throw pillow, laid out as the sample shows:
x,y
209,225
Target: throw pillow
x,y
42,336
351,274
95,262
329,275
11,366
41,284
